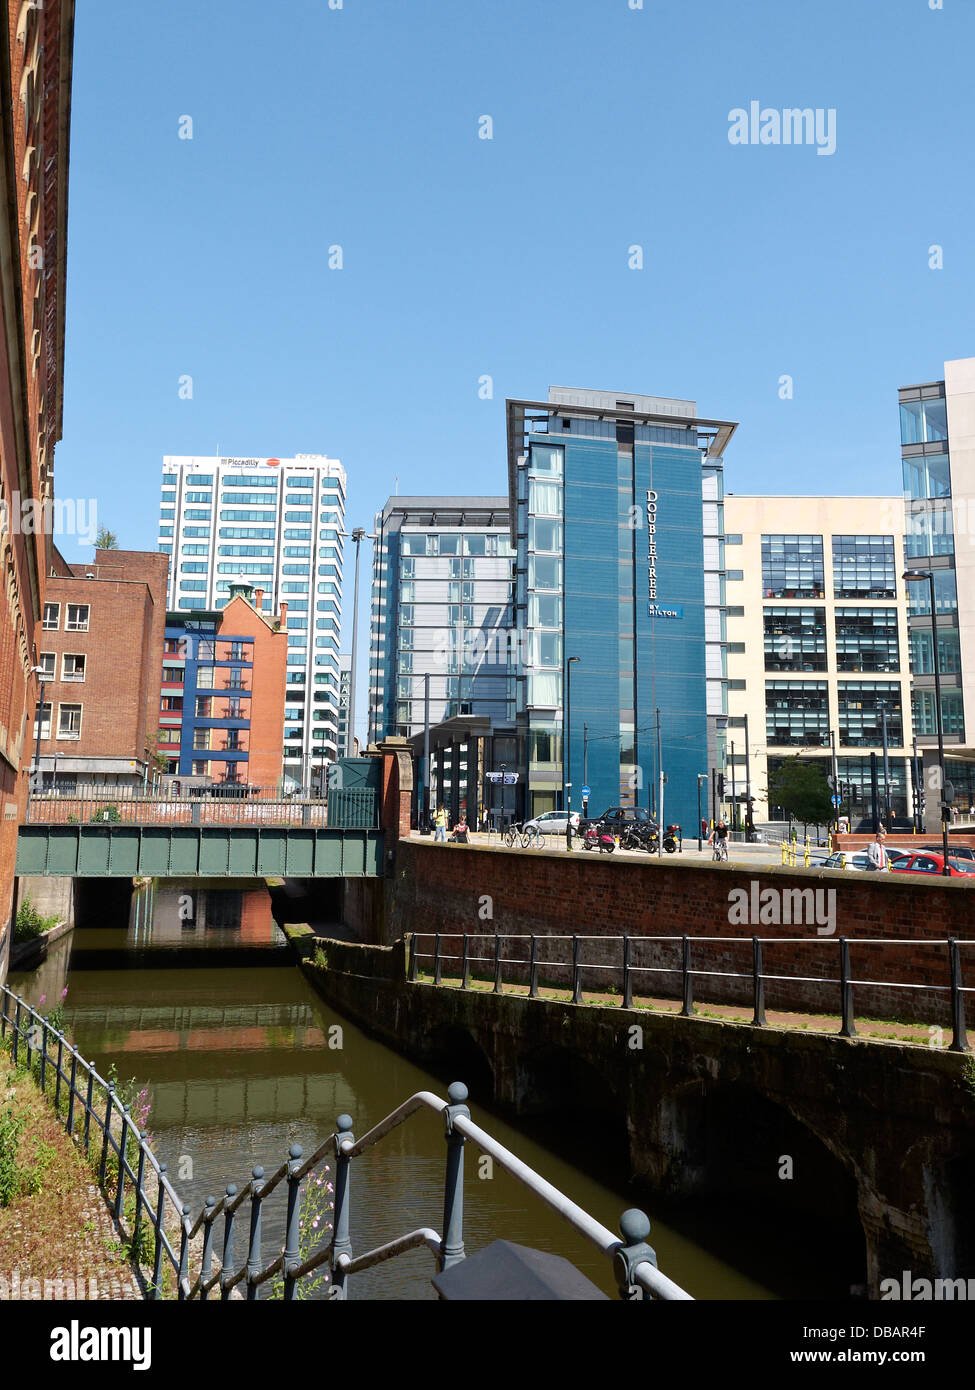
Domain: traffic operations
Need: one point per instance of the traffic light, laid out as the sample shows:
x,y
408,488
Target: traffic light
x,y
720,786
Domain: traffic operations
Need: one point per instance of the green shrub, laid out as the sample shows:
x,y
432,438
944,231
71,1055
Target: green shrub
x,y
110,812
30,923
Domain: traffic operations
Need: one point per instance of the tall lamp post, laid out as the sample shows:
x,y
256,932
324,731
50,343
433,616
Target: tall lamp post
x,y
911,575
701,777
358,534
567,740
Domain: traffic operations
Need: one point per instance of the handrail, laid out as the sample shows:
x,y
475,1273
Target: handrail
x,y
954,985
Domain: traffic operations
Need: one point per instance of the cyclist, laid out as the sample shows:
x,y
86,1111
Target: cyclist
x,y
719,840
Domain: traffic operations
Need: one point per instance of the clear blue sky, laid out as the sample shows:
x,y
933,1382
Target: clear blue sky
x,y
507,257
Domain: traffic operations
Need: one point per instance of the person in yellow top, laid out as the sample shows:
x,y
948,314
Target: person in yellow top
x,y
440,821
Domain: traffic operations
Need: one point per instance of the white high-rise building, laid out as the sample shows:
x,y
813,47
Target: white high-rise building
x,y
276,524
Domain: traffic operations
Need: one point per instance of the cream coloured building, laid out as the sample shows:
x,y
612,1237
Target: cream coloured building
x,y
818,647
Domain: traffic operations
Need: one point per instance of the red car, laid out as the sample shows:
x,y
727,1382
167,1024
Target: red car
x,y
933,864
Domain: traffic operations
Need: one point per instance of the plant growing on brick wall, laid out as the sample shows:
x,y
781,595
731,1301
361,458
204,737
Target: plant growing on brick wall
x,y
107,813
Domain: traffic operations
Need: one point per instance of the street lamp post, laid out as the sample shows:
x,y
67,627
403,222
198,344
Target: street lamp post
x,y
358,534
701,777
911,575
567,740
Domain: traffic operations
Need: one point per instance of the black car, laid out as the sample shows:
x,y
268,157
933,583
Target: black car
x,y
955,851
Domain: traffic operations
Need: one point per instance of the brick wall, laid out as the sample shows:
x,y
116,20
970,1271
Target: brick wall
x,y
454,889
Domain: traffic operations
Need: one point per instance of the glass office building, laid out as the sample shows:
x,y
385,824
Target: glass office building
x,y
277,525
616,522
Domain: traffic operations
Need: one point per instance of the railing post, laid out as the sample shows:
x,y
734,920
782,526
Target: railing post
x,y
959,1033
89,1100
627,972
27,1033
498,988
847,1026
341,1244
634,1228
122,1150
16,1030
292,1239
437,965
533,968
576,971
43,1074
254,1248
414,950
157,1254
106,1132
184,1255
452,1244
227,1257
57,1081
758,984
69,1123
139,1195
465,974
687,1009
206,1264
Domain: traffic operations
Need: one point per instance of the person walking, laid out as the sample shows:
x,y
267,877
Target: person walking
x,y
440,821
877,854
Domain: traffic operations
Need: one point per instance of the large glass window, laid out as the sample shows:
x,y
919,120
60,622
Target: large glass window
x,y
860,705
546,458
796,712
927,476
545,534
952,713
922,651
792,567
413,545
795,639
928,530
547,648
546,610
866,639
864,567
544,572
945,594
924,422
544,498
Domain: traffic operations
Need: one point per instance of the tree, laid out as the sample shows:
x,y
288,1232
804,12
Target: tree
x,y
801,789
106,540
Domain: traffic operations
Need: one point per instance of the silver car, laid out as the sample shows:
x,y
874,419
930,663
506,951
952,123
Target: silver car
x,y
552,822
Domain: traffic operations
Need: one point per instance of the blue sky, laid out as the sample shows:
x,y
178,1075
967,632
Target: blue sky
x,y
506,257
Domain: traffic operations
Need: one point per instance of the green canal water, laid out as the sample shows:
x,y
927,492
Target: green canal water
x,y
238,1066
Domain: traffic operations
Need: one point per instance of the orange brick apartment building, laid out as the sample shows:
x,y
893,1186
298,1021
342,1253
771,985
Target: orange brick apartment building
x,y
35,102
100,647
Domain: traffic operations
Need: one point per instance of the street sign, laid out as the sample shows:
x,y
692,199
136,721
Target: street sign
x,y
836,799
586,791
510,778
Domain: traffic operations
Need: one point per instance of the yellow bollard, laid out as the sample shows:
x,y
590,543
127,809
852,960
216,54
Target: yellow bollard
x,y
805,857
785,852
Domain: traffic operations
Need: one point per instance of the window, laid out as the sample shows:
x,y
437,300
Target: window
x,y
929,530
796,712
199,497
864,567
195,549
48,664
546,458
201,769
927,476
922,651
736,610
544,572
200,532
72,667
69,721
199,480
246,516
733,538
77,619
925,713
253,533
924,422
795,639
735,575
296,534
792,567
299,482
298,516
201,739
867,640
861,706
545,534
193,567
945,594
52,617
197,514
192,586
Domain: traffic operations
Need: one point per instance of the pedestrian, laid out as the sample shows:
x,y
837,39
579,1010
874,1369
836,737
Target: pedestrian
x,y
460,836
440,821
877,854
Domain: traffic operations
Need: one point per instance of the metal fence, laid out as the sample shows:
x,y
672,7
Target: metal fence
x,y
625,975
355,808
179,1255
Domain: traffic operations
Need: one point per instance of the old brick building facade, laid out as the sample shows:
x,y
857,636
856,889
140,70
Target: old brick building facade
x,y
35,100
100,647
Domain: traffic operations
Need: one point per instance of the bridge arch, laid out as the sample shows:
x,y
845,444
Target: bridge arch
x,y
455,1052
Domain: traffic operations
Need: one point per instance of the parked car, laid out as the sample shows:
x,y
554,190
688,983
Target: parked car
x,y
847,859
617,818
955,851
552,822
927,862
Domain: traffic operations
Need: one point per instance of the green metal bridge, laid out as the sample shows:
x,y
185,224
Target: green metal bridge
x,y
124,850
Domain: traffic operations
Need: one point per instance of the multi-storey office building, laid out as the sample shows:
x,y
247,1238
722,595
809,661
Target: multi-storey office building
x,y
100,654
441,609
937,421
617,524
818,645
223,692
277,524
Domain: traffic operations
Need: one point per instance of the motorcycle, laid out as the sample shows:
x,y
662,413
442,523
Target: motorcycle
x,y
598,837
673,839
640,835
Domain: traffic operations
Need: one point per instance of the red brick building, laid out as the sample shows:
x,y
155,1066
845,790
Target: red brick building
x,y
100,648
35,102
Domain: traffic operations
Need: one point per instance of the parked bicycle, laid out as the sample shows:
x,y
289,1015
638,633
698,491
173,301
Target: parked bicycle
x,y
529,837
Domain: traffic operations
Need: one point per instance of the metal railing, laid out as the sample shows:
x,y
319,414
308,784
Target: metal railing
x,y
634,1262
182,1250
179,1253
344,809
624,974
